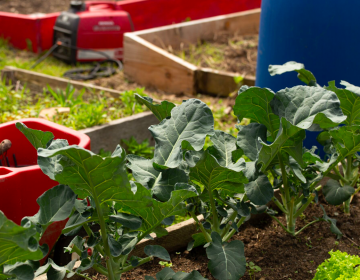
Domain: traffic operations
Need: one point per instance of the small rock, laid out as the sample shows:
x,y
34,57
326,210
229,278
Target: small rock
x,y
50,113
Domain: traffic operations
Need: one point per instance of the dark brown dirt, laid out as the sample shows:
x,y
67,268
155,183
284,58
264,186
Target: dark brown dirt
x,y
226,52
34,6
279,255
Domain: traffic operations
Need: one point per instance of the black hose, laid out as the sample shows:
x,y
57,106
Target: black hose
x,y
83,74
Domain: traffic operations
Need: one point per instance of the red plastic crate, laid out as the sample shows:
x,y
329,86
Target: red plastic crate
x,y
21,186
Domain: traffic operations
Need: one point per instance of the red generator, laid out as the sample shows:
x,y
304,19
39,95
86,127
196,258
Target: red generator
x,y
91,31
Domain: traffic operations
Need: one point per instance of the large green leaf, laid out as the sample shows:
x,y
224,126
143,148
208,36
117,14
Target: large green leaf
x,y
227,260
304,75
254,104
192,121
161,183
161,111
168,274
346,139
56,204
152,211
20,271
309,108
88,174
335,194
55,272
289,139
260,190
248,139
37,138
214,176
127,220
17,243
224,144
349,101
300,108
157,251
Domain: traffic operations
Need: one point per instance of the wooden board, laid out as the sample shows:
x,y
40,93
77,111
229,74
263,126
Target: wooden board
x,y
15,74
146,61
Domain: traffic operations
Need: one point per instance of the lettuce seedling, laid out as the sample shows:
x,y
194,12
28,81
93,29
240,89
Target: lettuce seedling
x,y
96,190
341,143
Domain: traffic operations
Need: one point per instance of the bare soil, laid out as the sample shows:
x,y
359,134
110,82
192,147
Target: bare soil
x,y
279,255
226,52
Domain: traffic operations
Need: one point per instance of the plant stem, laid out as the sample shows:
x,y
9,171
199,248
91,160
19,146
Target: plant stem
x,y
302,208
130,267
89,232
307,226
214,212
338,173
280,223
203,230
232,232
278,204
82,275
348,177
104,238
228,223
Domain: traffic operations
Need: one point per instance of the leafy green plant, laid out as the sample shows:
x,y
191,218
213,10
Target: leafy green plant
x,y
339,266
66,98
94,189
141,149
252,269
341,143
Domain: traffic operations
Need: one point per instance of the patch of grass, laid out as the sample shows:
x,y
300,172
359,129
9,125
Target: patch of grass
x,y
10,56
85,112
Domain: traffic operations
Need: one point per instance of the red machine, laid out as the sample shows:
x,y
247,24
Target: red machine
x,y
23,182
91,31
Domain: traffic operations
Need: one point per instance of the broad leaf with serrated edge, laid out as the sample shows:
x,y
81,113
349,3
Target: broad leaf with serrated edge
x,y
37,138
335,194
254,104
157,251
248,139
214,176
227,260
300,108
161,111
17,243
90,174
192,121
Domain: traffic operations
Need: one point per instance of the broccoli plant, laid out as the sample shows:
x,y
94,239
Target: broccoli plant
x,y
96,190
341,143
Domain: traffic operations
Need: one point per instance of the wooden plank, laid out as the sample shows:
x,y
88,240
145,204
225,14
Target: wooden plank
x,y
219,83
55,82
241,23
147,62
150,65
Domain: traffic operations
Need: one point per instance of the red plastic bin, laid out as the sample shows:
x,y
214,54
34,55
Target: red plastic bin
x,y
21,186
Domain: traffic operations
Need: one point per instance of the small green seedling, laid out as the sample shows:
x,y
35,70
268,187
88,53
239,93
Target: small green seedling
x,y
252,269
165,264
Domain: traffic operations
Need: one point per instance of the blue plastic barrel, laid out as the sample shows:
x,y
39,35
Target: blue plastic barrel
x,y
323,34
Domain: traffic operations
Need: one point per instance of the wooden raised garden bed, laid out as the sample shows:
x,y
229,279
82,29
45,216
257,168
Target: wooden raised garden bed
x,y
105,136
147,61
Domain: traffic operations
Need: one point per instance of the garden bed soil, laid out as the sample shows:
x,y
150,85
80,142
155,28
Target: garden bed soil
x,y
279,255
226,52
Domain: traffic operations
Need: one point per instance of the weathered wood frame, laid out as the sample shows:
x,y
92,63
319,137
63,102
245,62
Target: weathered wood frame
x,y
147,62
